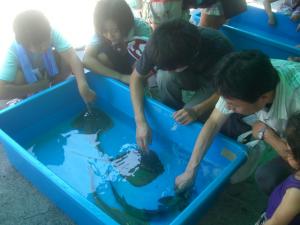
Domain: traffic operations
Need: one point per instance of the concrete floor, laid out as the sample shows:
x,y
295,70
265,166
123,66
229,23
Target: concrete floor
x,y
21,203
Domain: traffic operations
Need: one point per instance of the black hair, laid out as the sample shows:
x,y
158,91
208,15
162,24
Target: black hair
x,y
31,27
115,10
174,43
293,135
246,75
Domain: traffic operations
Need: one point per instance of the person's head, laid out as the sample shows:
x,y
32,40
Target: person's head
x,y
32,30
174,45
113,19
247,81
293,140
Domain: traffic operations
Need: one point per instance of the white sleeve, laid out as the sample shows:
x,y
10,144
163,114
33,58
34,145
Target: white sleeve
x,y
221,106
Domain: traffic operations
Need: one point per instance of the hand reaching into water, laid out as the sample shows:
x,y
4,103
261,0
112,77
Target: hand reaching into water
x,y
87,94
295,17
184,181
143,135
272,20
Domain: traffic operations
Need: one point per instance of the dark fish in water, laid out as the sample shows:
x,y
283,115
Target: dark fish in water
x,y
92,122
165,206
121,217
138,167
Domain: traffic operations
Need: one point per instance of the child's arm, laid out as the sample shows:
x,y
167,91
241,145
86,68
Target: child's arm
x,y
271,137
188,115
268,9
10,91
91,61
203,142
296,14
288,209
72,59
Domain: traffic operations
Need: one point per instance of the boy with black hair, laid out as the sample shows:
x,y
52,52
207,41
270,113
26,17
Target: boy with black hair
x,y
249,83
31,64
184,57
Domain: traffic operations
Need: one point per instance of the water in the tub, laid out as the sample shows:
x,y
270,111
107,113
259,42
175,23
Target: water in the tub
x,y
96,154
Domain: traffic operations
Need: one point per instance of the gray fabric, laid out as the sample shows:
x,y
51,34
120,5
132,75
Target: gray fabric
x,y
171,85
269,175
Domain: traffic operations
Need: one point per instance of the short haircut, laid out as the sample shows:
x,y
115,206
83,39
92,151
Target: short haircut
x,y
246,76
173,44
31,27
293,135
115,10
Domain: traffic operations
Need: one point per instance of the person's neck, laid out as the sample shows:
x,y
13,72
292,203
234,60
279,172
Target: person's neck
x,y
269,100
271,97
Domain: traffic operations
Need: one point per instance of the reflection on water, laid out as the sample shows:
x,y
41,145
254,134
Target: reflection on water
x,y
94,154
137,166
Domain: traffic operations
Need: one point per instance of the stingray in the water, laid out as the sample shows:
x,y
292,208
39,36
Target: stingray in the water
x,y
166,205
131,215
121,217
138,167
142,167
91,122
118,215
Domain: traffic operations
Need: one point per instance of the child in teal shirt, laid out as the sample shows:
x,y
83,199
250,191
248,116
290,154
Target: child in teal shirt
x,y
38,58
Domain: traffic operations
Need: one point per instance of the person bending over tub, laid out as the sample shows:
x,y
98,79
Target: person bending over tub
x,y
118,42
184,58
38,58
250,83
283,206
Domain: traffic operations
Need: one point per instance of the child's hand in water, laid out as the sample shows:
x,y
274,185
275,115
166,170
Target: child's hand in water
x,y
272,20
143,135
184,181
86,93
185,116
295,17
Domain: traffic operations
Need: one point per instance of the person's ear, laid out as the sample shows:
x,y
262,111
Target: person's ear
x,y
266,97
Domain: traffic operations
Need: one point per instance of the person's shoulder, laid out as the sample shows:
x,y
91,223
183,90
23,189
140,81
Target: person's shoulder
x,y
95,40
56,36
55,33
293,194
10,52
139,22
221,106
211,34
208,30
59,42
288,71
141,27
